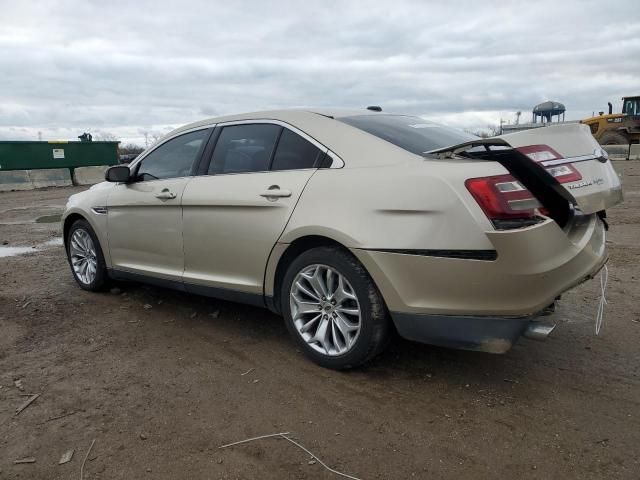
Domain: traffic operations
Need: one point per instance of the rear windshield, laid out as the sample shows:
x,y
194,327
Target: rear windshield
x,y
414,134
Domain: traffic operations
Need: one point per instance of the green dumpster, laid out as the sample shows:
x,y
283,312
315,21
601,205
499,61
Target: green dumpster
x,y
28,155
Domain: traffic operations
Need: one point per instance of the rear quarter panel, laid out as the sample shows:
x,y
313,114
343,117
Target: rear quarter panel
x,y
414,204
421,204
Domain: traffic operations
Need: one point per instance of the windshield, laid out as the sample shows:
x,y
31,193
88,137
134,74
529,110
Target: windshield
x,y
414,134
631,106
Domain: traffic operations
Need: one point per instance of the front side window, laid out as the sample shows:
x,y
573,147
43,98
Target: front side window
x,y
244,148
414,134
294,152
174,158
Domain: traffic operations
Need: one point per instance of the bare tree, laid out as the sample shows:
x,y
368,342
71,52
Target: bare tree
x,y
494,130
130,149
490,131
150,137
145,134
477,132
106,137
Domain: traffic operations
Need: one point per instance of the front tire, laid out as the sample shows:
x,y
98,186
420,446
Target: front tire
x,y
332,308
85,257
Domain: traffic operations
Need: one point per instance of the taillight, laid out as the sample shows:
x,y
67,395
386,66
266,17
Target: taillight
x,y
564,173
502,197
545,155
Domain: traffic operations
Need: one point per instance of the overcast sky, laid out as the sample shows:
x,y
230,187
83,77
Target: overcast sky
x,y
127,67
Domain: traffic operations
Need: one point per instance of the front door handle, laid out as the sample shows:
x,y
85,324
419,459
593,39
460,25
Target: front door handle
x,y
166,195
274,192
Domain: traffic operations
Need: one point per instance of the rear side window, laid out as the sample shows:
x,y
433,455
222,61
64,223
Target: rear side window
x,y
414,134
174,158
244,148
294,152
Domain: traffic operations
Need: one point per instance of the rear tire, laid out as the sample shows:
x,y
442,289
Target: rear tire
x,y
613,138
85,257
333,310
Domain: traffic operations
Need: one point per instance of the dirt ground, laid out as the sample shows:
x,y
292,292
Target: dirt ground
x,y
161,379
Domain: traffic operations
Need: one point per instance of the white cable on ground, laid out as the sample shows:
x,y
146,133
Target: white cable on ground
x,y
85,459
318,460
604,278
254,438
284,435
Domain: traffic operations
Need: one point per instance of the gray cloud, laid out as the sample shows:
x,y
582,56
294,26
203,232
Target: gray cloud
x,y
128,67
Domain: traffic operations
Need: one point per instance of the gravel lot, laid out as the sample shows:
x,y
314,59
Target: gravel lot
x,y
159,380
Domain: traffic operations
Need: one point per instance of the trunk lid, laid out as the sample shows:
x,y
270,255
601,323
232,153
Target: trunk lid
x,y
591,184
599,186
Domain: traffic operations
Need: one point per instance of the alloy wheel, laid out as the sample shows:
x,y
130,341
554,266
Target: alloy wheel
x,y
82,253
325,309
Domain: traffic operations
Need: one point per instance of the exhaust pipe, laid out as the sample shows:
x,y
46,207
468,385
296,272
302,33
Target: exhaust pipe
x,y
538,331
610,108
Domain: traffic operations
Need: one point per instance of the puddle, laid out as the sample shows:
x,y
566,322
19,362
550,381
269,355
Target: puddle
x,y
14,251
6,251
29,215
54,242
49,219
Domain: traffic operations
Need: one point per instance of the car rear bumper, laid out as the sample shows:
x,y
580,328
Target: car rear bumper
x,y
486,334
465,302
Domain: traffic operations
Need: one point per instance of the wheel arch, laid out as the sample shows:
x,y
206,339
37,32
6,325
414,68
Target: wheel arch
x,y
73,216
68,221
282,256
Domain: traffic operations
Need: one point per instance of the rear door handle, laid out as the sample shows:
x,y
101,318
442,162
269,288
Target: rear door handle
x,y
166,195
274,193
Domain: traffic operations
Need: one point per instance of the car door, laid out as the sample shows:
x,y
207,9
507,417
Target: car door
x,y
144,220
235,213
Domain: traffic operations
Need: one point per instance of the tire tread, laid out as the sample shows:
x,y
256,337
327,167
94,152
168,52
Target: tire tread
x,y
377,313
101,281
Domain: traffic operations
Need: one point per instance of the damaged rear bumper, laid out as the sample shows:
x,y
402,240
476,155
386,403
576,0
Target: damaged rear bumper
x,y
484,334
487,305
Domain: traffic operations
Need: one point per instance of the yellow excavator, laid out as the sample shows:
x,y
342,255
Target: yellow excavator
x,y
617,128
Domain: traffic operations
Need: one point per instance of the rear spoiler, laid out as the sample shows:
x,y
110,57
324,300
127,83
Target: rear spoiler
x,y
449,152
553,196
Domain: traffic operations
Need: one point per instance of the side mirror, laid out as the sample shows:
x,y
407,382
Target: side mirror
x,y
118,173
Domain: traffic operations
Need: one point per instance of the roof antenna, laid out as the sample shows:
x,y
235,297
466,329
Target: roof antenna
x,y
374,108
